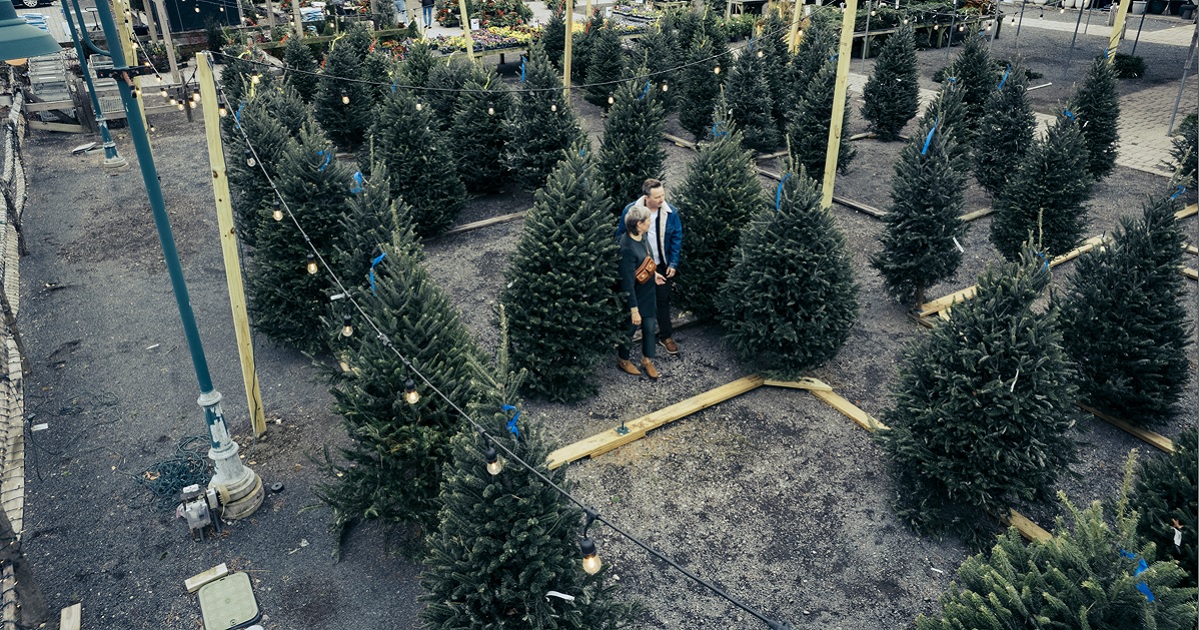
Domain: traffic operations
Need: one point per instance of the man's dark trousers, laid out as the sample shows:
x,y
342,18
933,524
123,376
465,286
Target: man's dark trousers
x,y
662,293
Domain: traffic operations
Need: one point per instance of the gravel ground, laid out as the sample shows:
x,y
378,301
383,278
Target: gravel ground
x,y
773,495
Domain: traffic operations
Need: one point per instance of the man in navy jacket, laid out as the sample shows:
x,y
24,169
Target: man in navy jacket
x,y
666,239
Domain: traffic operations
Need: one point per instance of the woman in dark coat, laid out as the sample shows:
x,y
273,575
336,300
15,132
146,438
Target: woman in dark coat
x,y
640,296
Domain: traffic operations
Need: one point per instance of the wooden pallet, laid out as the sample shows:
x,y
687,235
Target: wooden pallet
x,y
1157,441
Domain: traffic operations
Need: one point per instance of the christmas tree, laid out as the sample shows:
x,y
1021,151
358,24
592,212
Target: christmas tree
x,y
922,224
1088,576
446,81
1045,199
1164,495
719,195
358,39
977,78
581,45
240,68
1097,108
790,299
479,135
818,44
365,229
302,67
890,98
1183,152
948,111
808,133
772,44
748,92
562,317
343,108
658,52
1005,132
605,65
699,86
983,409
507,539
1123,321
378,69
287,300
423,171
553,38
630,152
418,63
392,469
545,127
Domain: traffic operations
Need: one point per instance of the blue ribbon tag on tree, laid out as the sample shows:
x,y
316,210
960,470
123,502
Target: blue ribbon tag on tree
x,y
1068,114
522,69
328,156
237,116
645,91
371,274
1004,78
358,183
716,130
1178,191
512,423
779,190
1141,568
929,138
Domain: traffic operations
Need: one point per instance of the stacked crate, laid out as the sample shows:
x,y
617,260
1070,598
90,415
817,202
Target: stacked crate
x,y
106,89
48,82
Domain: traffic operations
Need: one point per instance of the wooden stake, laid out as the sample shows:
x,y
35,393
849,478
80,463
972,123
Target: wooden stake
x,y
570,20
1118,28
466,25
839,102
229,246
172,54
794,28
296,17
131,55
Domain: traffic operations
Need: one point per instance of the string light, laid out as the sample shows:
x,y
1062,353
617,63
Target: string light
x,y
345,98
611,100
494,464
250,161
179,105
222,110
277,212
164,92
311,264
760,54
491,110
591,559
553,107
420,106
717,70
664,86
197,8
347,326
411,395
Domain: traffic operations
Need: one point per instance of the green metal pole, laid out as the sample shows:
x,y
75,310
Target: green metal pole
x,y
112,159
240,488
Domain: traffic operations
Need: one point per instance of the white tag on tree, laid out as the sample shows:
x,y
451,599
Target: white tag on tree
x,y
1178,537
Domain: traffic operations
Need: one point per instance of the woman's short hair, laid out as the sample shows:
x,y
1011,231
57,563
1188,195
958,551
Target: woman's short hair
x,y
635,216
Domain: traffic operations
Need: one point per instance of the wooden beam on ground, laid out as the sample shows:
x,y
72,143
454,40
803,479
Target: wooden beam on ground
x,y
810,384
51,126
467,227
194,583
47,106
1191,249
943,303
71,617
849,409
771,156
978,214
862,136
1158,441
1187,212
1087,246
606,441
1191,273
1030,530
680,142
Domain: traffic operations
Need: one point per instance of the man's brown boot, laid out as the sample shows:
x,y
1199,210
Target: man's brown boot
x,y
625,365
649,367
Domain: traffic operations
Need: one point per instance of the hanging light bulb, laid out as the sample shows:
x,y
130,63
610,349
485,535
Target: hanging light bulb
x,y
935,27
664,86
906,20
222,111
960,28
591,560
277,210
179,105
196,96
553,107
420,106
717,70
197,8
1012,20
760,53
222,9
151,128
192,104
494,465
311,265
345,98
164,93
611,100
872,12
491,110
254,78
411,395
250,161
347,326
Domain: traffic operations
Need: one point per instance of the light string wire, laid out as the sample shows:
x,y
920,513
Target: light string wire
x,y
728,51
488,438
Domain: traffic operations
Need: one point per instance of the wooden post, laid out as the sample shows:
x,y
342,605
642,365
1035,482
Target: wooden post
x,y
171,52
229,246
119,8
466,26
839,102
152,24
794,30
1117,32
570,20
296,16
270,15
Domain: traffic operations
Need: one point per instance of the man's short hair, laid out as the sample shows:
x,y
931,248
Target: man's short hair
x,y
650,184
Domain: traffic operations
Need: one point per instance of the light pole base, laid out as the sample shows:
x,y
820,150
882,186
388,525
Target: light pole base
x,y
244,500
115,162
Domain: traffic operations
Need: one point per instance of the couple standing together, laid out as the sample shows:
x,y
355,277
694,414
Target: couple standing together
x,y
650,237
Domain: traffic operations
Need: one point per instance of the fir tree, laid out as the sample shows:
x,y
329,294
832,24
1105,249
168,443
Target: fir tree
x,y
446,81
287,301
1045,199
542,125
1006,132
302,67
343,108
1087,576
719,195
358,40
890,98
977,78
605,66
1183,152
790,299
1096,105
418,63
553,38
818,43
630,152
775,56
367,227
240,66
1123,321
922,223
658,52
479,135
560,335
948,111
1164,495
581,45
983,409
808,132
507,539
699,87
749,94
393,467
379,69
423,171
